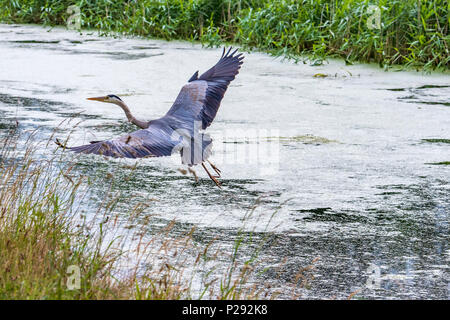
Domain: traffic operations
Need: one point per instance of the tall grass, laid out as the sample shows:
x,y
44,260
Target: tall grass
x,y
45,233
39,236
413,33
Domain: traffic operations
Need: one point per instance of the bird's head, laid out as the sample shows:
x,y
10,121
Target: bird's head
x,y
110,98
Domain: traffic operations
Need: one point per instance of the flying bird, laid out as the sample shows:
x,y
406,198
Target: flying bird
x,y
179,130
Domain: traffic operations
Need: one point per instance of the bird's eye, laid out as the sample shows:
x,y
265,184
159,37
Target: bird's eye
x,y
113,97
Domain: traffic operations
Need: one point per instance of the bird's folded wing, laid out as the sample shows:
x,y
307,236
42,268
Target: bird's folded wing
x,y
154,141
200,98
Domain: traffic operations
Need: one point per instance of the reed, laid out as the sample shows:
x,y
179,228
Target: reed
x,y
46,232
411,33
39,237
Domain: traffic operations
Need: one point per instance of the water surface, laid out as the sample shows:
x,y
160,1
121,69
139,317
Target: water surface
x,y
357,170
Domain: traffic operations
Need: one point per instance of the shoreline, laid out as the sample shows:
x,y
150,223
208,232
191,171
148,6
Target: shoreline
x,y
299,32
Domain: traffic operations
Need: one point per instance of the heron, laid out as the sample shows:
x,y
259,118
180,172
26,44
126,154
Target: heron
x,y
180,129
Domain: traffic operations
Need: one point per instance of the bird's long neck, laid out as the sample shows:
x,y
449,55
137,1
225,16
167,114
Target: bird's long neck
x,y
130,117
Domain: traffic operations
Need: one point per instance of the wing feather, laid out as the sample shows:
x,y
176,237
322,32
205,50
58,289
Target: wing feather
x,y
155,141
199,99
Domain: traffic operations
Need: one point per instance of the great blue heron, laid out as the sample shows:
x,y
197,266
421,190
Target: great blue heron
x,y
179,130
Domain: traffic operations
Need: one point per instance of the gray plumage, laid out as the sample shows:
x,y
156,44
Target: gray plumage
x,y
179,130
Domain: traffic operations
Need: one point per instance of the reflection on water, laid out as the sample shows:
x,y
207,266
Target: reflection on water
x,y
354,185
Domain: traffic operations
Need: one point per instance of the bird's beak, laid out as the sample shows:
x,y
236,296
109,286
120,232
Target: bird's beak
x,y
102,99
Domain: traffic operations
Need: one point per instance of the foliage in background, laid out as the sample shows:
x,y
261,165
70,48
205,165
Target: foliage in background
x,y
412,32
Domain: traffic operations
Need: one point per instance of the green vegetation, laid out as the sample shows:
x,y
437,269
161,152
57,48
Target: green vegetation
x,y
413,33
38,241
44,234
443,163
437,140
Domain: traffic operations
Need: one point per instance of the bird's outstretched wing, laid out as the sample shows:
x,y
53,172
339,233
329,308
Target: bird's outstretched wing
x,y
155,141
200,98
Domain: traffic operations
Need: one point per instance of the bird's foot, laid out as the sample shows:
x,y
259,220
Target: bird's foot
x,y
217,182
213,178
217,170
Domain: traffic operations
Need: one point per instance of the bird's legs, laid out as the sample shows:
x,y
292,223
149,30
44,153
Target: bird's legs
x,y
211,176
215,169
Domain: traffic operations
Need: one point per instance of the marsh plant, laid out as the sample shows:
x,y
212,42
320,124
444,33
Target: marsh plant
x,y
412,33
56,243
